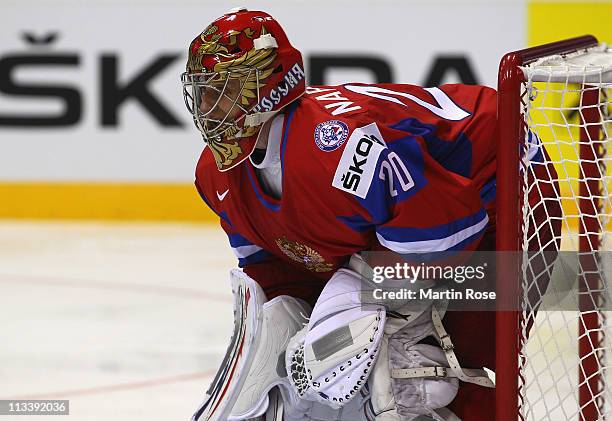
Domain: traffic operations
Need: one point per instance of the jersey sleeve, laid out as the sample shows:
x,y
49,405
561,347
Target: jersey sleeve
x,y
414,204
448,217
245,251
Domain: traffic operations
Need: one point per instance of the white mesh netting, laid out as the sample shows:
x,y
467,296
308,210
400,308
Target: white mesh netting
x,y
565,374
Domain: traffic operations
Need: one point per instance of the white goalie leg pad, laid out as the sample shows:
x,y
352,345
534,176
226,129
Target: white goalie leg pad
x,y
330,360
276,408
304,410
254,361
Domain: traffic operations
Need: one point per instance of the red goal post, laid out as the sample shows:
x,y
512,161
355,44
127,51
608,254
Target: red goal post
x,y
559,95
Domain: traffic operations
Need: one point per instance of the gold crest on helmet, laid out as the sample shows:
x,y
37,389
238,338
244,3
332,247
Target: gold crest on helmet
x,y
225,152
260,60
303,254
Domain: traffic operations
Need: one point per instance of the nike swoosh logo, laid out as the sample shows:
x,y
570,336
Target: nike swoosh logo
x,y
222,195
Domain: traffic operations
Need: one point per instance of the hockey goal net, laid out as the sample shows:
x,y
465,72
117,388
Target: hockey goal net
x,y
554,205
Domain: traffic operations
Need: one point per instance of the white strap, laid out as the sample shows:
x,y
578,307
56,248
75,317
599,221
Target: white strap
x,y
465,375
257,119
236,10
413,373
264,42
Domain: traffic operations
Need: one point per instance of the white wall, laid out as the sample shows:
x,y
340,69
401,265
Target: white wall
x,y
406,35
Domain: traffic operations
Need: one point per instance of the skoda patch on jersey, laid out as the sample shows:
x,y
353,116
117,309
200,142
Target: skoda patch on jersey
x,y
358,162
330,135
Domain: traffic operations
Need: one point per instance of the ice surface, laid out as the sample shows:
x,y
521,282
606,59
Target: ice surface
x,y
127,321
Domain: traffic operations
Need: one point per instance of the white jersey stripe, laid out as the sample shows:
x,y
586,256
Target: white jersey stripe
x,y
441,244
245,251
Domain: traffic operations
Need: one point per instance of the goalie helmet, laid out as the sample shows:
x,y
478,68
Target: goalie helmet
x,y
241,70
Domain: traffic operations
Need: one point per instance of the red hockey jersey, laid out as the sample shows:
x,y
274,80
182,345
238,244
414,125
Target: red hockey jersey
x,y
365,167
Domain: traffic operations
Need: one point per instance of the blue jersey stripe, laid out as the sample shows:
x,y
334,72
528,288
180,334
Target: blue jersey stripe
x,y
455,155
262,199
488,192
533,146
258,257
221,215
290,113
379,199
400,234
356,222
237,240
246,252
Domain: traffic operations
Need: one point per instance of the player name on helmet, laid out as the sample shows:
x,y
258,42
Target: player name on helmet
x,y
358,162
292,79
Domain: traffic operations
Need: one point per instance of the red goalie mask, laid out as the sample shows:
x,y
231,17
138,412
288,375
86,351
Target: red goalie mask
x,y
241,70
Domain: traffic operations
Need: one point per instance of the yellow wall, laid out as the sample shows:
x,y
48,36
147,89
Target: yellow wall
x,y
103,201
553,21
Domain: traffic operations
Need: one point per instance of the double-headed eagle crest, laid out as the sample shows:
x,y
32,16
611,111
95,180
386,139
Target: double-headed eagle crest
x,y
303,254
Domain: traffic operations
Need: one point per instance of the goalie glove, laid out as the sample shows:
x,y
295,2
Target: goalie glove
x,y
414,381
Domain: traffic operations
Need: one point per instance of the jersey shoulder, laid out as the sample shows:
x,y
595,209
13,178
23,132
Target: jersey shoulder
x,y
333,151
386,104
316,131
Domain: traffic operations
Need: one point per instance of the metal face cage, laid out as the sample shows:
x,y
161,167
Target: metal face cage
x,y
218,101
